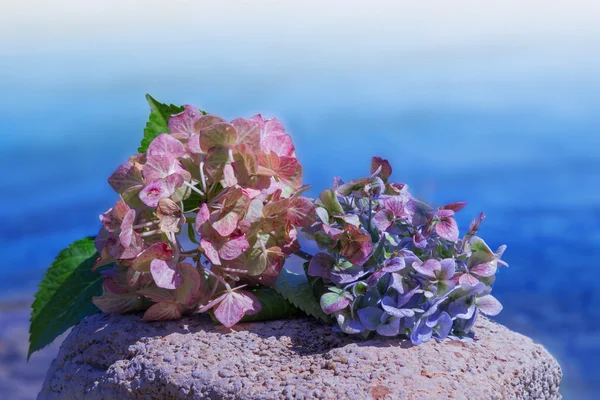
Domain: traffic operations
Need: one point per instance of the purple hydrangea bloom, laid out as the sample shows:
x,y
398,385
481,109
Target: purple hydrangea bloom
x,y
394,265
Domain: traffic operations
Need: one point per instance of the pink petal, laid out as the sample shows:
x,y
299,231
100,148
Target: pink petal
x,y
188,291
159,189
386,168
117,251
468,279
301,212
210,252
447,229
231,309
248,133
251,303
161,166
182,125
157,295
206,121
233,248
202,217
128,175
165,144
226,224
281,145
112,219
163,312
165,274
485,269
395,205
488,305
287,167
217,135
117,303
456,207
126,234
193,146
229,176
160,250
383,220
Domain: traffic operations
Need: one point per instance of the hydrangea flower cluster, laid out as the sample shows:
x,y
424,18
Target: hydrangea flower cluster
x,y
396,266
233,188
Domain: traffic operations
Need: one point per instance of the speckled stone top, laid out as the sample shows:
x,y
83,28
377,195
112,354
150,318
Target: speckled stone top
x,y
114,357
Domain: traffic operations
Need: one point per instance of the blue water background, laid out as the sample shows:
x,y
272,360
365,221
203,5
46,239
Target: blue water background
x,y
512,130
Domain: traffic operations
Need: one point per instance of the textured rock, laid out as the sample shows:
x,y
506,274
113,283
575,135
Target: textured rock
x,y
112,356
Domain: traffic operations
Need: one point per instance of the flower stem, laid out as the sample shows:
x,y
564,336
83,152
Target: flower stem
x,y
145,224
304,255
194,188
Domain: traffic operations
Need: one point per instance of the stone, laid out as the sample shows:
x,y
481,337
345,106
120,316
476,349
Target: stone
x,y
120,356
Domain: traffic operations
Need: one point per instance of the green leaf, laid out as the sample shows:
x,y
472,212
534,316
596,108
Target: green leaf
x,y
158,122
328,199
296,289
274,306
65,294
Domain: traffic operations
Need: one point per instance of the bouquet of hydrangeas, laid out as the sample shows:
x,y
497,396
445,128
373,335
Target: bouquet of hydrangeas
x,y
209,210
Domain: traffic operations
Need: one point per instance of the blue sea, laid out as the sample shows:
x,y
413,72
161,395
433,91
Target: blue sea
x,y
512,129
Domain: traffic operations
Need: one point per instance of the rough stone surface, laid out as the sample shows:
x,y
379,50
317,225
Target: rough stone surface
x,y
113,357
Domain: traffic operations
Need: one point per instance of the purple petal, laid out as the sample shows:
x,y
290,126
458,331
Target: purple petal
x,y
390,307
165,274
394,264
383,220
443,326
462,308
349,325
347,275
448,268
419,240
395,205
428,268
389,328
370,317
320,265
421,333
